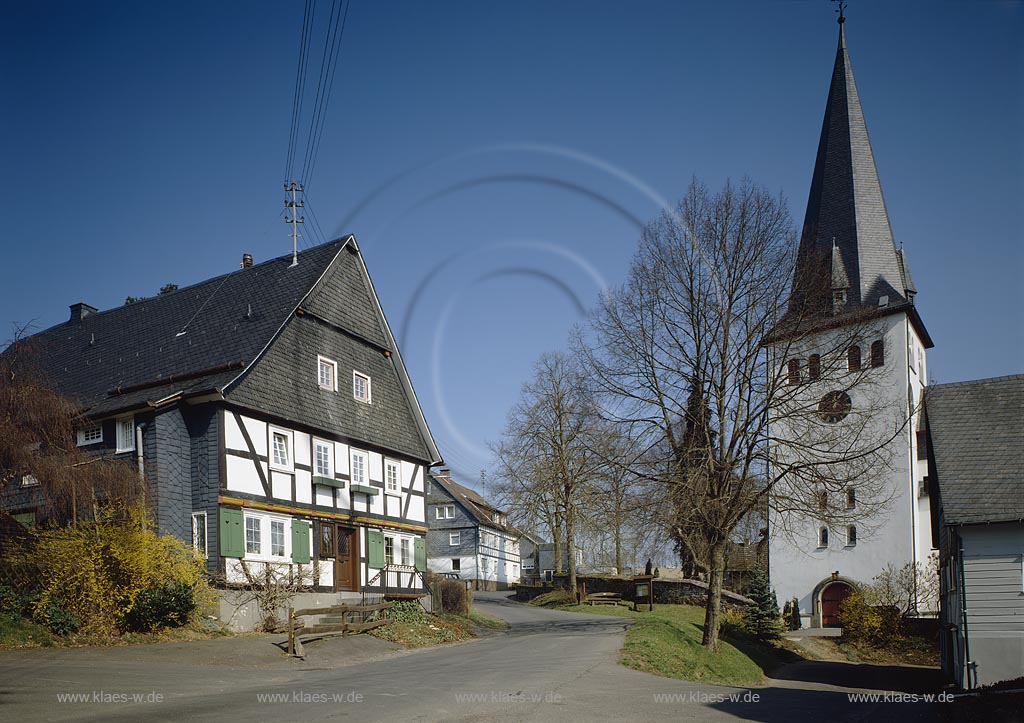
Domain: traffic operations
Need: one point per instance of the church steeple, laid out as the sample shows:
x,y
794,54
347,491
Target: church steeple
x,y
846,233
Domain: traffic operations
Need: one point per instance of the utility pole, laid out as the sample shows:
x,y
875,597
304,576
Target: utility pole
x,y
294,204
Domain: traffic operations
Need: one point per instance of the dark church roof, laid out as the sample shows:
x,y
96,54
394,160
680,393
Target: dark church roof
x,y
847,242
208,338
976,431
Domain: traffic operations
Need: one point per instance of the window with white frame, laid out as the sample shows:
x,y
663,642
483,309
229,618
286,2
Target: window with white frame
x,y
323,458
92,434
126,434
253,535
391,478
281,449
389,550
327,374
29,480
277,538
361,387
199,532
454,538
406,551
444,512
358,467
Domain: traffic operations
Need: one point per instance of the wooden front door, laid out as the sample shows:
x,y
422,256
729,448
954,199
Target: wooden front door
x,y
831,597
346,559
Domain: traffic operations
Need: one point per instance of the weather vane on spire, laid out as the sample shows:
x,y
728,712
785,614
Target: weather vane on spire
x,y
842,6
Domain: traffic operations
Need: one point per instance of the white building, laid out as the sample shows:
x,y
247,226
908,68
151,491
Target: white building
x,y
859,360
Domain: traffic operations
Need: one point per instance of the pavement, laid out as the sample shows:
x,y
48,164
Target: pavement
x,y
548,666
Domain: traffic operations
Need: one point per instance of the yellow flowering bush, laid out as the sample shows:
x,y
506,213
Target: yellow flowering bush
x,y
96,570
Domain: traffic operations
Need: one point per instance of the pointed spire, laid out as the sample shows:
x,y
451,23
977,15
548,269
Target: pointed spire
x,y
846,221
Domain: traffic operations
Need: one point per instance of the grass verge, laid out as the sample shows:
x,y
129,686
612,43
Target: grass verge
x,y
413,627
667,642
19,633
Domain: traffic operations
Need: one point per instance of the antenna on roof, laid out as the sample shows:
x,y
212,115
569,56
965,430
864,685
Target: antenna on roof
x,y
294,204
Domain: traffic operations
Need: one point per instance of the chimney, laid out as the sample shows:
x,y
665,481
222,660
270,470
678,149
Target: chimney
x,y
444,472
246,261
81,310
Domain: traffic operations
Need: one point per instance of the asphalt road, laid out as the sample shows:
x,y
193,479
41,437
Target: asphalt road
x,y
550,666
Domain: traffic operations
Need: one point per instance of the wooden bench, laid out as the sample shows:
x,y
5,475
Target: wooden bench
x,y
604,598
297,627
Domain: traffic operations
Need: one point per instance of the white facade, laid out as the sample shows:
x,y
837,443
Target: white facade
x,y
885,400
277,475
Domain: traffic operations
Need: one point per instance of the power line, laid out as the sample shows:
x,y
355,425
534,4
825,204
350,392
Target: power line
x,y
308,17
330,91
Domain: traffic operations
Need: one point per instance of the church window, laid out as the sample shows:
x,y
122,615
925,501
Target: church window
x,y
878,353
823,501
814,366
851,498
794,371
851,535
822,537
853,358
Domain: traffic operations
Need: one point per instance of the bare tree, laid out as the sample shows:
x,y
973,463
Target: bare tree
x,y
550,436
38,445
694,353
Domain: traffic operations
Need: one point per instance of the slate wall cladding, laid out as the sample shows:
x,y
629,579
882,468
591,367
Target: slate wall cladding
x,y
204,441
438,539
344,297
284,382
172,468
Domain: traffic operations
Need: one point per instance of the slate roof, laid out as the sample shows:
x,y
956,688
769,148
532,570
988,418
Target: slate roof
x,y
479,508
208,338
845,207
976,432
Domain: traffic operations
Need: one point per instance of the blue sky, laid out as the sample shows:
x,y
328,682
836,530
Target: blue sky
x,y
496,161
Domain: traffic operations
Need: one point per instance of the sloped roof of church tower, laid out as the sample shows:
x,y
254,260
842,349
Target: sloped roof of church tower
x,y
846,235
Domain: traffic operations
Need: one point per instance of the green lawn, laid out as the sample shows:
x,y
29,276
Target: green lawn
x,y
666,642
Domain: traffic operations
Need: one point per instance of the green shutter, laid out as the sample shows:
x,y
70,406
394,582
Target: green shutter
x,y
375,548
26,518
300,541
420,550
232,535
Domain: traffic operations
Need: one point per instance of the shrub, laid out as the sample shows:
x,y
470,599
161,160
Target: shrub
x,y
763,620
168,605
407,611
97,569
732,622
454,597
52,613
879,625
555,597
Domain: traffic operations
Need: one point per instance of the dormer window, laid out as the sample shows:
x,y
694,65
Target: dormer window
x,y
327,374
361,387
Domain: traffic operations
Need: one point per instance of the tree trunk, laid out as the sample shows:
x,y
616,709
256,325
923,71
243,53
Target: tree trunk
x,y
618,549
713,609
557,535
570,547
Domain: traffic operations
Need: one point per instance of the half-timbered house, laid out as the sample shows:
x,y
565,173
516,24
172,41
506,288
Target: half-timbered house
x,y
271,415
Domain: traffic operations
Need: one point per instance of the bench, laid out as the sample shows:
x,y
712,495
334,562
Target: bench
x,y
296,626
604,598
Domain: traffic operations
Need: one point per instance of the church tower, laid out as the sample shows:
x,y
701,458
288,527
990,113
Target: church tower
x,y
852,299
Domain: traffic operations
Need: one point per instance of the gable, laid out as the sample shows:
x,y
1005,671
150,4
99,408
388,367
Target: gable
x,y
340,319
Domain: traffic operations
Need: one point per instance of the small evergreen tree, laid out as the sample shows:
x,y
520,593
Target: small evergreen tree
x,y
763,620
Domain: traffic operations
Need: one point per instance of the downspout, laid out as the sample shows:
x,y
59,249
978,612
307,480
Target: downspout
x,y
963,608
140,459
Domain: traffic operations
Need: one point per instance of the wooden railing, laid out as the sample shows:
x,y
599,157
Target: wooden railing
x,y
297,627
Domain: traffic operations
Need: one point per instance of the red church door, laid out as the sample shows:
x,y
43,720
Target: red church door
x,y
831,598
